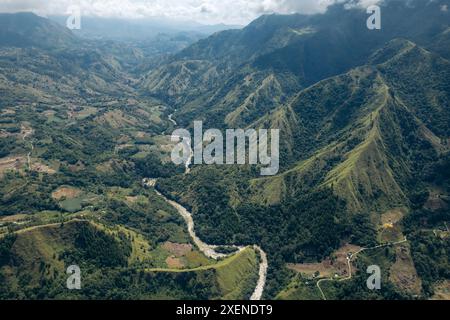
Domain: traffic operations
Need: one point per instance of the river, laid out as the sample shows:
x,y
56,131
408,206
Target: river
x,y
208,249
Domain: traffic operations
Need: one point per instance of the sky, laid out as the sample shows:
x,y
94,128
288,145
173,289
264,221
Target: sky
x,y
231,12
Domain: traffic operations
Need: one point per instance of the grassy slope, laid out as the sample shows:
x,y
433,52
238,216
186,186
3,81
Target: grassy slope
x,y
35,247
300,289
365,165
38,250
365,162
235,275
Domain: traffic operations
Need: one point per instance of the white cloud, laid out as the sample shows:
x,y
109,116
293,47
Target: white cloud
x,y
204,11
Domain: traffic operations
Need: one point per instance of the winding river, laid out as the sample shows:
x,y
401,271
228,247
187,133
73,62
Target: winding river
x,y
208,249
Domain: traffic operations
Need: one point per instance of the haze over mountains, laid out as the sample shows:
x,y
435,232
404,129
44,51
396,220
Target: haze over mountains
x,y
141,29
364,119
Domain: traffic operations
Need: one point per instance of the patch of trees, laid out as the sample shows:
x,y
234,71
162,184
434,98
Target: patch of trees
x,y
99,248
356,289
7,145
431,258
425,219
152,167
361,231
440,172
29,195
430,252
5,248
146,219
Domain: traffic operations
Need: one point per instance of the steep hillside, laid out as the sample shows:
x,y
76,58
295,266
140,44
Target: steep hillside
x,y
42,61
33,262
26,30
368,128
353,146
291,52
364,135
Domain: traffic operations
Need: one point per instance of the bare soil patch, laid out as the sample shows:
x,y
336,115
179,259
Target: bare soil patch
x,y
177,249
79,166
390,229
174,263
392,217
40,167
14,218
403,272
335,265
131,199
5,134
11,163
442,290
141,134
66,192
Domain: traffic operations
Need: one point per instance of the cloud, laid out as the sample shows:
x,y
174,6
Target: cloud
x,y
204,11
304,6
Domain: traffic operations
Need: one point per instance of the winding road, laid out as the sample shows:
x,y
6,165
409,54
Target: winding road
x,y
349,262
26,135
171,119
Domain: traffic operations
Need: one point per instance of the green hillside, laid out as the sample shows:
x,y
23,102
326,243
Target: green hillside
x,y
364,159
276,56
34,260
353,146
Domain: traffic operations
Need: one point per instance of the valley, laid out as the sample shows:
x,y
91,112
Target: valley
x,y
87,179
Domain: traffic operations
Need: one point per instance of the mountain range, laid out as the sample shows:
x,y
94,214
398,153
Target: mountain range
x,y
364,153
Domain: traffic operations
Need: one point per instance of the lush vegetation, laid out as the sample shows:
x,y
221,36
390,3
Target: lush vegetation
x,y
364,120
106,273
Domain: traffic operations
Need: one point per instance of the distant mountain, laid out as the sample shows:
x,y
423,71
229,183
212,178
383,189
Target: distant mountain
x,y
42,61
141,29
27,30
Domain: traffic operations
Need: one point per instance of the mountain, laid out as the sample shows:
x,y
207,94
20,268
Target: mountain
x,y
76,138
363,119
29,30
363,135
43,252
372,128
141,29
279,55
85,160
43,61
